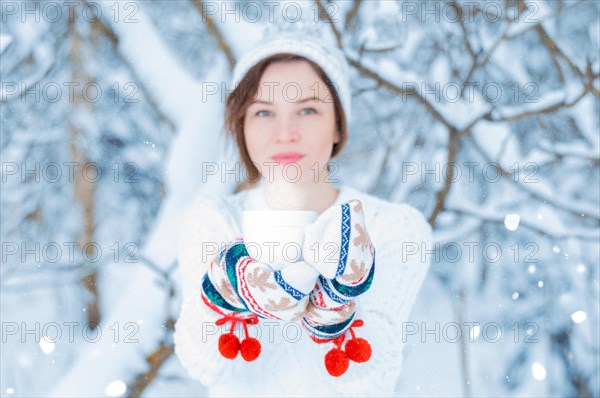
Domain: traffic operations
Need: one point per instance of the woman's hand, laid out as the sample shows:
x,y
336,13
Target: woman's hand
x,y
337,243
260,289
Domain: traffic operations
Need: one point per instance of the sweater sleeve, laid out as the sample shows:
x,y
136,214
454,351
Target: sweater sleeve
x,y
205,231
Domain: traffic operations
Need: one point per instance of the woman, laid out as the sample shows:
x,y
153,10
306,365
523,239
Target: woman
x,y
318,327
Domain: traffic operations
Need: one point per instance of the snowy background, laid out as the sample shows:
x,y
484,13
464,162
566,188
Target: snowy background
x,y
110,110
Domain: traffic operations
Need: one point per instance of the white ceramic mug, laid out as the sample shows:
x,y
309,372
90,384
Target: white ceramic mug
x,y
275,237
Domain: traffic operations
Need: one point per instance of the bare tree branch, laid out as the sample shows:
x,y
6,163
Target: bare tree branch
x,y
165,348
109,33
482,58
548,109
399,91
155,361
559,154
442,194
547,18
460,16
567,207
323,14
351,14
499,220
215,33
555,50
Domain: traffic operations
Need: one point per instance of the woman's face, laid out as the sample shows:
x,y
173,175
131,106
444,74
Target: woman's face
x,y
290,126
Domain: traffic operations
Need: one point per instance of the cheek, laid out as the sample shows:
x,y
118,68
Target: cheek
x,y
251,146
255,143
322,149
326,139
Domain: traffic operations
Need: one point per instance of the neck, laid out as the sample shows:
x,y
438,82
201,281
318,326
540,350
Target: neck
x,y
302,195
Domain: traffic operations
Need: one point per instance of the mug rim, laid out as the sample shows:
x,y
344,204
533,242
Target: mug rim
x,y
282,218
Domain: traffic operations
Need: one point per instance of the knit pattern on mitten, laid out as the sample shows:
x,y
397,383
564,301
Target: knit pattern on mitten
x,y
350,268
237,283
325,324
338,245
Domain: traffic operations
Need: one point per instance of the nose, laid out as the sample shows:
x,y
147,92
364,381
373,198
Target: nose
x,y
287,131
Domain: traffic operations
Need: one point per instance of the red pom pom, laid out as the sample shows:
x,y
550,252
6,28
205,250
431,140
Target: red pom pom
x,y
358,350
229,345
336,362
250,349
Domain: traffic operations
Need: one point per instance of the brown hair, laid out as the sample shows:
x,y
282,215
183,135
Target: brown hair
x,y
238,102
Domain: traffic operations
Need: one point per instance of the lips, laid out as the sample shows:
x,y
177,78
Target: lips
x,y
287,157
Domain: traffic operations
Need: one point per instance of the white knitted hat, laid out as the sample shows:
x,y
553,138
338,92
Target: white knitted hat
x,y
309,40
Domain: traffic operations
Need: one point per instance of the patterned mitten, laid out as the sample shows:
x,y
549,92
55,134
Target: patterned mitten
x,y
344,255
338,246
241,289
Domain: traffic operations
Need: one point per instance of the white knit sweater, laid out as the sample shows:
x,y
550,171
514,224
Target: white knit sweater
x,y
290,363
